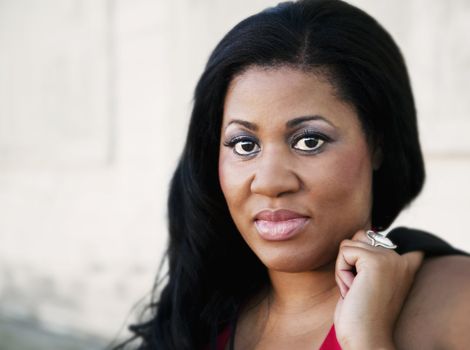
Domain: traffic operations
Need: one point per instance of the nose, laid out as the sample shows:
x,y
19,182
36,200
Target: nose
x,y
275,176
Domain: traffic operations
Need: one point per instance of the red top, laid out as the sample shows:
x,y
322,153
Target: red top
x,y
330,342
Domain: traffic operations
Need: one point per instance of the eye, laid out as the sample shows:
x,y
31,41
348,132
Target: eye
x,y
309,142
243,146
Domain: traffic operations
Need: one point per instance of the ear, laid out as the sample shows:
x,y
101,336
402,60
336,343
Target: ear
x,y
377,157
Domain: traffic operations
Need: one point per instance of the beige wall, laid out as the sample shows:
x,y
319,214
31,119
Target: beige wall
x,y
94,103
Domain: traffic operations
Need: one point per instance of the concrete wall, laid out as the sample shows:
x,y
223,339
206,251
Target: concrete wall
x,y
94,104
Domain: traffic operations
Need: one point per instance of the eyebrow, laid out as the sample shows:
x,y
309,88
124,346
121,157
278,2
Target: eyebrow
x,y
290,124
296,121
244,123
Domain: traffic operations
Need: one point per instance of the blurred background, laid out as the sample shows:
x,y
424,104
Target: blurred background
x,y
94,103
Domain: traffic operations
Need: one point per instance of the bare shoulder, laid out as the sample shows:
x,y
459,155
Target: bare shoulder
x,y
436,312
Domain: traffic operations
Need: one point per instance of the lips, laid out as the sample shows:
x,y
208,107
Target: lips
x,y
280,224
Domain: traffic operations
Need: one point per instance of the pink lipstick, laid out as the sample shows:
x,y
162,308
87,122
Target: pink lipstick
x,y
279,225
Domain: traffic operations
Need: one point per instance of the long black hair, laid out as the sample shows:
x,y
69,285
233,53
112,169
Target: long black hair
x,y
211,269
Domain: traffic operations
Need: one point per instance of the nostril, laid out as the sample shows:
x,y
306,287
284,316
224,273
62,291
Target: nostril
x,y
275,183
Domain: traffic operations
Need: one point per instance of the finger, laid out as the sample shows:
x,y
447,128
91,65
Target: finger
x,y
414,260
348,256
342,269
343,288
345,266
354,255
347,278
361,236
357,244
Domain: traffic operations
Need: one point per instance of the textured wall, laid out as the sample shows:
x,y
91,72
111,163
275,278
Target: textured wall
x,y
94,103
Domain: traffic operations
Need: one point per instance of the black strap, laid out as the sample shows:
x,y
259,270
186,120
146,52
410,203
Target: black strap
x,y
409,240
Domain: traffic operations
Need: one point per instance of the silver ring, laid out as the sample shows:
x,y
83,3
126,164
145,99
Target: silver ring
x,y
378,239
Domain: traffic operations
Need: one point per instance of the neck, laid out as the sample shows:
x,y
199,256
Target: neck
x,y
296,305
300,292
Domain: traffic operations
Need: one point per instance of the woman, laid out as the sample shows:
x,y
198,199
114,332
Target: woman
x,y
302,139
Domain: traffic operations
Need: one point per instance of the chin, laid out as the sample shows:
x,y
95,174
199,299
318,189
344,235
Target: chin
x,y
295,261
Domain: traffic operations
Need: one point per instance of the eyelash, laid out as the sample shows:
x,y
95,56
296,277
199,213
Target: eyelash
x,y
309,134
306,134
238,139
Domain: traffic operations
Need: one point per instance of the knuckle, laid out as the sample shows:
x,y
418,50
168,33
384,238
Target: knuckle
x,y
358,235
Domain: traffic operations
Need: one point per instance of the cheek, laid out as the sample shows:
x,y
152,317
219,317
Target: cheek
x,y
226,178
232,180
344,185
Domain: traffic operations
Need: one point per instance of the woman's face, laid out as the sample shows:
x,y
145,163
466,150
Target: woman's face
x,y
294,166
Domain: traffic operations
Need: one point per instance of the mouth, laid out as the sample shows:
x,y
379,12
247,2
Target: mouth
x,y
279,225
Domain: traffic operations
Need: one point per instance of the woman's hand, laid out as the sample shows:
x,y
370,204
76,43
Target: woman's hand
x,y
374,283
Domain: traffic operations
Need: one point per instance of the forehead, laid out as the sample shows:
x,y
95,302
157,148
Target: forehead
x,y
282,93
